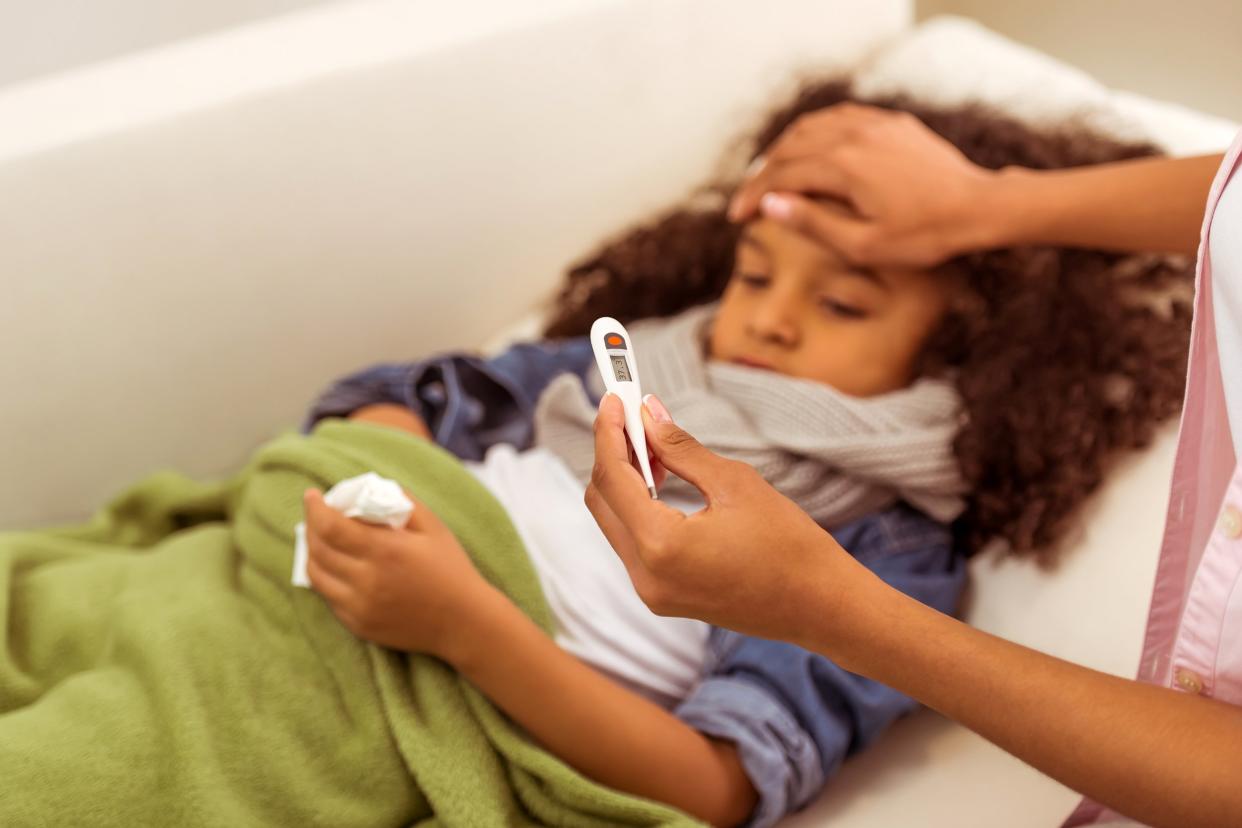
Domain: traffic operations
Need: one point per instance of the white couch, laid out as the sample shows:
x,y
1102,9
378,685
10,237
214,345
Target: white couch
x,y
197,238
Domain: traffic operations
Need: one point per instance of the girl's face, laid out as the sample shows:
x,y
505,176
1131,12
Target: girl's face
x,y
799,309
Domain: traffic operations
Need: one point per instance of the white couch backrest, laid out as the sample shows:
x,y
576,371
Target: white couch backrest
x,y
195,240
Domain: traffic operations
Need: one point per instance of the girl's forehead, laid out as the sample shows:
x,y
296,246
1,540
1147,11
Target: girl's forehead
x,y
775,240
783,246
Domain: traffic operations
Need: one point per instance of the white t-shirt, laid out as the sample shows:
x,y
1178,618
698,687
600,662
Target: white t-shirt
x,y
599,617
1225,248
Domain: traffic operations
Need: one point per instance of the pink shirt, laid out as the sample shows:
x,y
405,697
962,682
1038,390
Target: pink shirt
x,y
1194,627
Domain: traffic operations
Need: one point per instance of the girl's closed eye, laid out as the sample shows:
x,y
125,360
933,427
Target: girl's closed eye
x,y
755,280
844,310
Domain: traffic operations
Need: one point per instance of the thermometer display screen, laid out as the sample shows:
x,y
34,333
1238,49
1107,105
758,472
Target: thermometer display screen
x,y
620,369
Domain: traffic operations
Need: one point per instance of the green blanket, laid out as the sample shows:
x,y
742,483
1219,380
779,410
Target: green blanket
x,y
159,669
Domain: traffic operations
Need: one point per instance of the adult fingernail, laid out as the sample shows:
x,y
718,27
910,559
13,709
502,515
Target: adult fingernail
x,y
656,409
777,206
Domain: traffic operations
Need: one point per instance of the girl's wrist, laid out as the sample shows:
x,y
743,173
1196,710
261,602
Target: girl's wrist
x,y
478,632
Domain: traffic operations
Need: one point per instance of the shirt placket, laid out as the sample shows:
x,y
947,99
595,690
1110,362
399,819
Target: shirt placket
x,y
1199,634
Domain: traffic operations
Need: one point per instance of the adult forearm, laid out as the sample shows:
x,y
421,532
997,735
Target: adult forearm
x,y
603,730
1154,205
1107,737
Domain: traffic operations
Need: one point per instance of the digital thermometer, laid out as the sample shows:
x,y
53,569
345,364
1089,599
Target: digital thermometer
x,y
614,355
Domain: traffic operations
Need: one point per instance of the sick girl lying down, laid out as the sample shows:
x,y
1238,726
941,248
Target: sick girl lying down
x,y
490,663
916,415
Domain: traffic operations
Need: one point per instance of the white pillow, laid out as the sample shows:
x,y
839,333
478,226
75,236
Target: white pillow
x,y
951,60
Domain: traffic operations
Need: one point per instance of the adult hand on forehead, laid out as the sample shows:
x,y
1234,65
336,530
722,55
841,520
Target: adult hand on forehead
x,y
750,560
912,198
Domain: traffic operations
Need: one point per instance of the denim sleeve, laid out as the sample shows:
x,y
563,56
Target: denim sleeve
x,y
794,715
469,403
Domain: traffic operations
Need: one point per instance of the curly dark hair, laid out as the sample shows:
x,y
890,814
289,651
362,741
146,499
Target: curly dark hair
x,y
1063,358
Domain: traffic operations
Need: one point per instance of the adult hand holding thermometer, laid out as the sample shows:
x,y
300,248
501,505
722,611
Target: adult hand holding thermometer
x,y
614,355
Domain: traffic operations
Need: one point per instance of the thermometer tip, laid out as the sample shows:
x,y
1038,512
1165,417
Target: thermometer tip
x,y
654,496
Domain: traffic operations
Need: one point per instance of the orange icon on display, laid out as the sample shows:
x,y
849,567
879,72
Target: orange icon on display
x,y
614,341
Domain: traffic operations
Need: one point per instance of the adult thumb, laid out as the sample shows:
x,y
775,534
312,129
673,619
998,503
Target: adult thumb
x,y
677,449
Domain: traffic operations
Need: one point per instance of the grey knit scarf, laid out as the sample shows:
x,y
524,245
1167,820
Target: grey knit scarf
x,y
838,457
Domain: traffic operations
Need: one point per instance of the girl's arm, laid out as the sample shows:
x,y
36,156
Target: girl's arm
x,y
469,402
1155,754
416,590
914,199
603,730
392,416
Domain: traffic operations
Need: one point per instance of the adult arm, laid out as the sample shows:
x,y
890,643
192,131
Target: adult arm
x,y
794,715
1155,754
911,198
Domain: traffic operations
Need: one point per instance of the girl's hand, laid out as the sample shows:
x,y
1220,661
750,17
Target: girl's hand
x,y
912,198
411,589
751,560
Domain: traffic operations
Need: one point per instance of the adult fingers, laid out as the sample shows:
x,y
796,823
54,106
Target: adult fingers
x,y
615,481
815,132
678,450
658,473
812,137
616,533
814,175
825,224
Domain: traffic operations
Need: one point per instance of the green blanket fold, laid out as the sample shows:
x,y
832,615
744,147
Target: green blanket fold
x,y
159,669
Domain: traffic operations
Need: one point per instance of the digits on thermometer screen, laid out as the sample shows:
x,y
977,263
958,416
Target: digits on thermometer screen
x,y
620,370
614,356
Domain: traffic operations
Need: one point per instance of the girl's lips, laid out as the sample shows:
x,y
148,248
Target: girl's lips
x,y
753,363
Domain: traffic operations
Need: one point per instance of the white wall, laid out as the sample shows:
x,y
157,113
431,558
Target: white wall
x,y
38,37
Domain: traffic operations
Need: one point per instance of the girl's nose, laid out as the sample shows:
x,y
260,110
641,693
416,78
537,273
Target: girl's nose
x,y
774,321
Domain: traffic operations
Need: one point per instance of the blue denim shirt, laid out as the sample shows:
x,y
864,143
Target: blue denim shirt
x,y
793,715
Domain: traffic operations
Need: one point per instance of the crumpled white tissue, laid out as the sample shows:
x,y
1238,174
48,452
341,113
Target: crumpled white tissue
x,y
367,497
